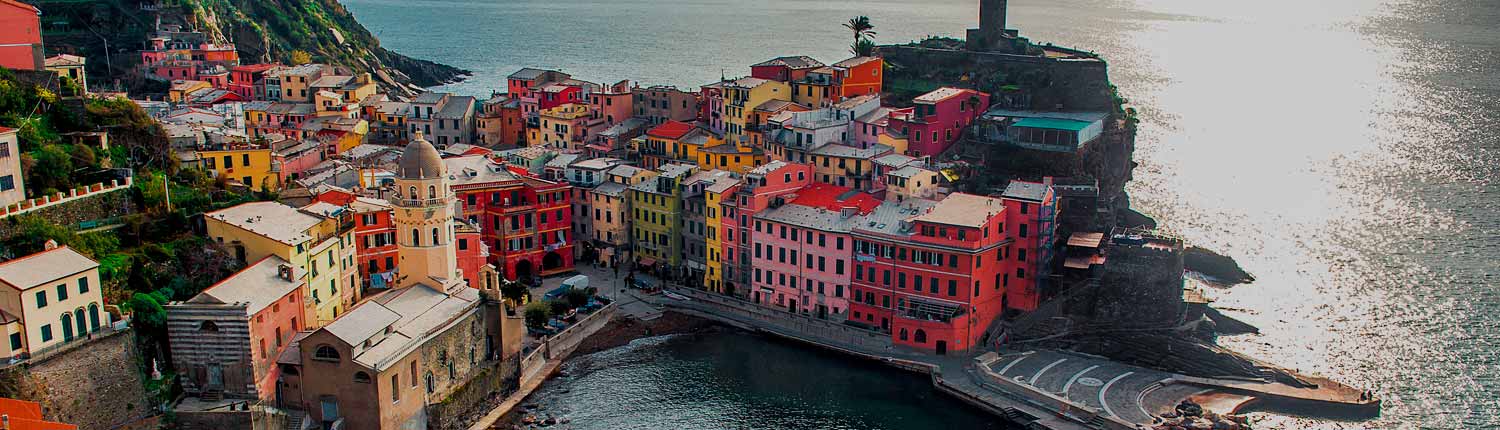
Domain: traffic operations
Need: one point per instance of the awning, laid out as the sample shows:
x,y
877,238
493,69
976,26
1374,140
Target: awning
x,y
648,261
1085,240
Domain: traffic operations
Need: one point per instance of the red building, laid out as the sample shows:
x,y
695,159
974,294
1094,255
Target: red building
x,y
933,274
25,415
527,222
785,69
375,238
20,36
249,81
937,119
1032,219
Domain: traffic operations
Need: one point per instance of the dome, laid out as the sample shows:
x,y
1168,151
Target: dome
x,y
420,160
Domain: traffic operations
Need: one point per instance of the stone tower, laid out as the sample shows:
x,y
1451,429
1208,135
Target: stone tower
x,y
423,215
992,19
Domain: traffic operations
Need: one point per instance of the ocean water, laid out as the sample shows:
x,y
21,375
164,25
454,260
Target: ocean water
x,y
1344,151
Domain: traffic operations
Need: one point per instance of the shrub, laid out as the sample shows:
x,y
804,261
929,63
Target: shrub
x,y
577,297
537,314
558,307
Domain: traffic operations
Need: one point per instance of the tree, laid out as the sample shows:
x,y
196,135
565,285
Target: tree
x,y
537,314
300,57
53,169
861,27
862,48
577,297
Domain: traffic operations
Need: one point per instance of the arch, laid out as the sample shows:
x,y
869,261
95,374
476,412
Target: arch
x,y
208,326
361,377
416,238
903,333
435,240
80,321
921,336
431,382
552,260
452,373
94,316
326,352
431,191
413,194
67,326
524,271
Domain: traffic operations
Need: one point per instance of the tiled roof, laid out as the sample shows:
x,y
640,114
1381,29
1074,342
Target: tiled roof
x,y
1022,190
455,108
258,286
795,62
855,61
671,130
527,74
964,210
941,94
909,171
272,220
43,267
429,98
833,197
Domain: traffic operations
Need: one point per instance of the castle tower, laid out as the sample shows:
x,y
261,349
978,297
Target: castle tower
x,y
992,19
423,215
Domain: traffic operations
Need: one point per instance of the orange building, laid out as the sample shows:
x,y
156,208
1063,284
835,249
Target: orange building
x,y
20,36
858,76
24,415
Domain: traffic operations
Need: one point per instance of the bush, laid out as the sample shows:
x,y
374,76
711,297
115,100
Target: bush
x,y
577,297
537,314
558,307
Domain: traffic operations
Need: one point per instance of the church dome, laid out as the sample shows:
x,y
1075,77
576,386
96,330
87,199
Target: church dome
x,y
420,160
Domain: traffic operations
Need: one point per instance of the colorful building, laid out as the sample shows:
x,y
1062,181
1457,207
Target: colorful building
x,y
562,127
48,299
614,104
661,144
226,339
785,69
741,96
527,221
24,415
759,190
659,104
858,76
317,240
70,67
12,179
733,158
500,123
802,254
714,196
1031,216
20,36
931,273
656,217
251,165
249,80
937,119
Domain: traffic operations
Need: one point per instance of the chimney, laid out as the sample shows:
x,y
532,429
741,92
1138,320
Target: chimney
x,y
50,245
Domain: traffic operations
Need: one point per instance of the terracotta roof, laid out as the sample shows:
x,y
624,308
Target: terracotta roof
x,y
671,130
834,198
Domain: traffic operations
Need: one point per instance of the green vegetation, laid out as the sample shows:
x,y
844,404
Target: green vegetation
x,y
864,35
577,297
537,314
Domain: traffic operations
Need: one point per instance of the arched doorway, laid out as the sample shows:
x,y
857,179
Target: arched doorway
x,y
80,322
67,326
921,336
551,261
524,271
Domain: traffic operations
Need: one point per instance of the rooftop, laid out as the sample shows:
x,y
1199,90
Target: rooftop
x,y
748,82
43,267
886,218
597,163
846,151
1052,123
273,220
767,168
795,62
909,171
610,189
527,74
670,130
476,169
834,198
894,160
941,94
855,61
455,108
413,314
257,286
963,210
1028,191
429,98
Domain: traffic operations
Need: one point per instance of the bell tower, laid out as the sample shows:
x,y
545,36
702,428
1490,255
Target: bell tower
x,y
423,215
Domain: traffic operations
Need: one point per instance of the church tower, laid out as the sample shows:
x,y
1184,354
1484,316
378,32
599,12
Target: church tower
x,y
423,215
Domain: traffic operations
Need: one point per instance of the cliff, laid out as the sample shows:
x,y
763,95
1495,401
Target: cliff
x,y
262,30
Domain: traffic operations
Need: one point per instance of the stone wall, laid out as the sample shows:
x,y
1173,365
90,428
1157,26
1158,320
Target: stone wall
x,y
485,391
71,213
94,386
253,418
1044,83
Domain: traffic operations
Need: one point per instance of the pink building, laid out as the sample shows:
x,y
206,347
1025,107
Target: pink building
x,y
1031,218
802,251
614,104
20,36
228,337
937,119
760,189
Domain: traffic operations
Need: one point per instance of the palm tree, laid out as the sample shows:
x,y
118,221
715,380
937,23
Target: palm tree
x,y
862,48
861,27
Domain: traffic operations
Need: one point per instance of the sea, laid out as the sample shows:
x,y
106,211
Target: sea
x,y
1345,152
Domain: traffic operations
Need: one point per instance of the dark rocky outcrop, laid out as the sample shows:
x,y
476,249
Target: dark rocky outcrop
x,y
1212,264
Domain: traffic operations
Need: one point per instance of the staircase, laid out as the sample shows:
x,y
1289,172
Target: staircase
x,y
212,394
295,420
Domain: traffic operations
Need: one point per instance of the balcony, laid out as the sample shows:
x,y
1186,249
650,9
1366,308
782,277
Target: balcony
x,y
421,203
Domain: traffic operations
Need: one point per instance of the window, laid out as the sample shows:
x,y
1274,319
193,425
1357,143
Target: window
x,y
41,299
46,332
15,341
396,388
1023,229
327,353
62,292
8,182
1020,273
363,378
209,326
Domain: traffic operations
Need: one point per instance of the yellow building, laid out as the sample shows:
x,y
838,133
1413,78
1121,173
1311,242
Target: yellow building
x,y
846,166
71,67
743,95
47,299
715,236
562,127
181,88
317,239
252,167
733,158
816,89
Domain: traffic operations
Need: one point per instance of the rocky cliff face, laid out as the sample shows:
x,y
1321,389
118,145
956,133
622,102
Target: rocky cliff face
x,y
272,30
262,30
